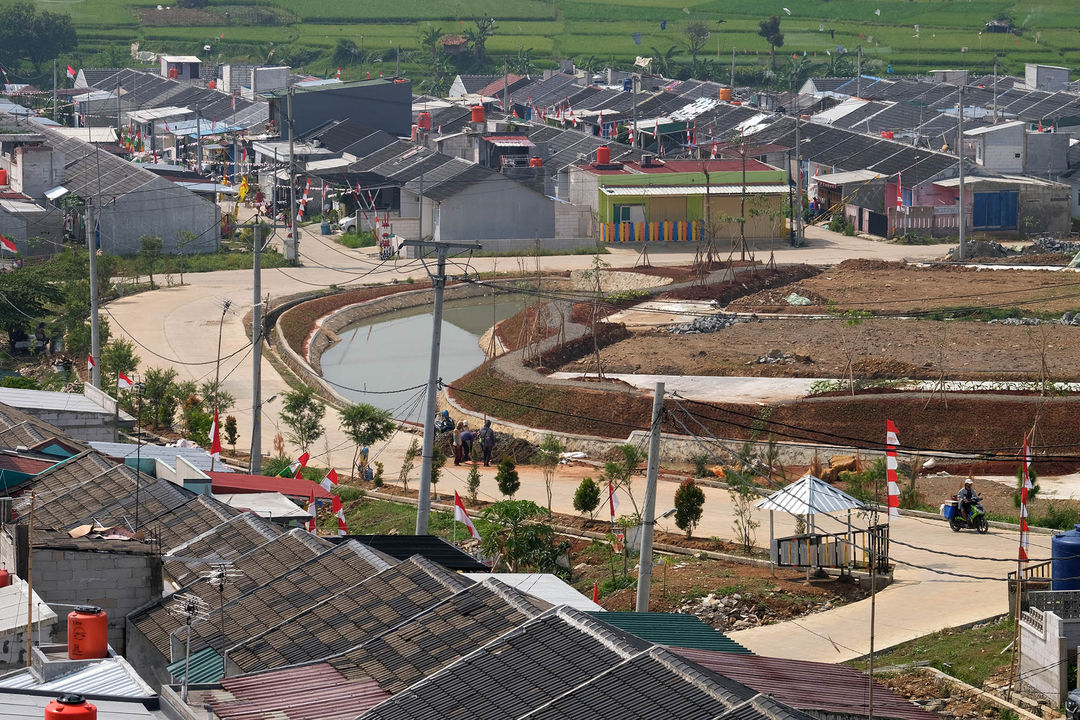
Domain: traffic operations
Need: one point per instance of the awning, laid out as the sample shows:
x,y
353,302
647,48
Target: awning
x,y
509,141
955,182
144,116
851,176
675,190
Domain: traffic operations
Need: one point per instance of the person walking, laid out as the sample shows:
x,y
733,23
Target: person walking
x,y
458,450
467,439
487,441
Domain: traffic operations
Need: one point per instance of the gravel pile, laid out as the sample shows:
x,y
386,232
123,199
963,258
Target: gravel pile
x,y
710,324
1066,319
1052,245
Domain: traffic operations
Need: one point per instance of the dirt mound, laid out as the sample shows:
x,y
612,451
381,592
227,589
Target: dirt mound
x,y
745,284
864,264
520,451
883,369
777,298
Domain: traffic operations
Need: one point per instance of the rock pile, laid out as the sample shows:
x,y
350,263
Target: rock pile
x,y
710,324
739,612
778,357
1066,319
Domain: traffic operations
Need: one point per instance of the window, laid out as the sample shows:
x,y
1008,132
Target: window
x,y
621,213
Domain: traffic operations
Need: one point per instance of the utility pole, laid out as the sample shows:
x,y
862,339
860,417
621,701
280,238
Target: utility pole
x,y
255,459
292,249
91,246
506,89
438,283
198,138
118,106
858,74
731,84
995,90
633,110
648,523
797,218
960,155
54,91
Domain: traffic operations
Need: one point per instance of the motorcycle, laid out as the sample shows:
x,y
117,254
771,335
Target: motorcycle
x,y
976,521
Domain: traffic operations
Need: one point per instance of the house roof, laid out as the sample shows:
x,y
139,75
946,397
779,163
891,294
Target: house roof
x,y
763,707
671,629
851,176
669,190
327,695
204,667
18,428
197,515
49,399
534,662
286,596
544,586
811,686
18,706
146,498
473,83
229,540
252,569
72,503
652,684
439,635
431,547
23,464
63,476
198,457
13,600
511,82
358,613
233,482
271,505
111,676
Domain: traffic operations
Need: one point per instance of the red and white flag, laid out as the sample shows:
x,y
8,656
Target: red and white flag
x,y
330,480
712,155
339,73
891,442
7,244
1025,469
90,364
312,511
70,72
463,517
613,501
899,194
299,464
339,513
123,382
215,437
630,135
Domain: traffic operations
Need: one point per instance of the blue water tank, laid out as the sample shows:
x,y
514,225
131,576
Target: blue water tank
x,y
1065,565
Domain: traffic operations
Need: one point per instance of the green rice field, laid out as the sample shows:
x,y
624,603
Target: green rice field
x,y
594,32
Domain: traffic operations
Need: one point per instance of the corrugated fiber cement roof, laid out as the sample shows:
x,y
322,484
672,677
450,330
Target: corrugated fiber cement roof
x,y
671,629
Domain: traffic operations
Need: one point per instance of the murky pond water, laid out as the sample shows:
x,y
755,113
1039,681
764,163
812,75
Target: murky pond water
x,y
392,351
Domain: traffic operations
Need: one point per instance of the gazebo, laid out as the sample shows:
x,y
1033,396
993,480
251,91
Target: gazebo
x,y
810,496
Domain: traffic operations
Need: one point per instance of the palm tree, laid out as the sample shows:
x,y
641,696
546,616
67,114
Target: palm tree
x,y
429,41
664,61
522,63
477,36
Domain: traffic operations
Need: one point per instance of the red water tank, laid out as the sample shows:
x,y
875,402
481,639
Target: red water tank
x,y
70,707
88,633
5,578
536,162
173,73
603,155
424,121
888,134
3,176
478,113
212,85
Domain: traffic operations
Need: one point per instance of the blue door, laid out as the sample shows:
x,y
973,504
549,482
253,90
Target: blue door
x,y
994,210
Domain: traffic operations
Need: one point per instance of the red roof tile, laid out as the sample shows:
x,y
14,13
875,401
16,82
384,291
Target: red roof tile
x,y
310,692
241,483
30,466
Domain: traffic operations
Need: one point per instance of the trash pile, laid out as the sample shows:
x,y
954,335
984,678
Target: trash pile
x,y
1043,245
1068,318
778,357
711,323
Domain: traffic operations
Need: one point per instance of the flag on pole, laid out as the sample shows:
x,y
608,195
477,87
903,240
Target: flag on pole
x,y
463,517
339,73
330,480
7,244
613,501
891,442
712,155
899,194
123,382
630,135
90,364
339,513
295,466
70,72
1025,469
215,437
313,511
596,591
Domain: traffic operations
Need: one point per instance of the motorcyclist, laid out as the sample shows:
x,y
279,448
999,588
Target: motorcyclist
x,y
967,497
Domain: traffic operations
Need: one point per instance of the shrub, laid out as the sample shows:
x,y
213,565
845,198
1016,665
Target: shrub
x,y
472,483
689,506
507,477
587,496
700,462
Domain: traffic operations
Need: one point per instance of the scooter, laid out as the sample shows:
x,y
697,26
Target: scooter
x,y
977,521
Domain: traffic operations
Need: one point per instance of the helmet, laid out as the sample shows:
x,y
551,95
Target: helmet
x,y
968,481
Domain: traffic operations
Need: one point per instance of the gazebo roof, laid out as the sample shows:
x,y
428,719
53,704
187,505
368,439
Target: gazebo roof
x,y
810,495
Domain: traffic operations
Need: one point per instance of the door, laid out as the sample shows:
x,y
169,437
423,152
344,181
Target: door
x,y
877,224
995,210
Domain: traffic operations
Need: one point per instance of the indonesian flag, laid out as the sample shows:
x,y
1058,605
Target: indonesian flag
x,y
330,480
1025,452
7,244
688,133
296,466
215,437
891,442
90,364
339,73
463,517
70,72
123,382
613,501
325,188
339,513
313,511
712,155
899,195
630,135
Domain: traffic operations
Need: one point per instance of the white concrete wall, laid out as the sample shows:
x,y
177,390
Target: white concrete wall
x,y
1003,150
1043,649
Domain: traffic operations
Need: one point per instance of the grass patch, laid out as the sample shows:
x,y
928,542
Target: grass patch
x,y
132,266
371,516
970,654
356,240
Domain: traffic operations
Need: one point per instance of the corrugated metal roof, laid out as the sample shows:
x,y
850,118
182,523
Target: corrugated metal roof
x,y
198,457
111,676
810,496
545,586
671,629
851,176
13,607
234,482
509,140
805,685
695,190
311,692
205,667
16,706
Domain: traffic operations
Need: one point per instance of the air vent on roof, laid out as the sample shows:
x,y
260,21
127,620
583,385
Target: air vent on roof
x,y
648,160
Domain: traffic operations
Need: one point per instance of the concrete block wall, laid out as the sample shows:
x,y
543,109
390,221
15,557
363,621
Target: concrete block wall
x,y
116,582
1043,646
81,426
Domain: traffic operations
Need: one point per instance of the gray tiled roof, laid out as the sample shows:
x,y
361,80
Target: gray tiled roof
x,y
342,621
222,543
199,514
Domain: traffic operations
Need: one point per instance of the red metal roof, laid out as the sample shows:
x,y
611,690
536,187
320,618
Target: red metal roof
x,y
241,483
30,466
806,685
682,166
495,88
311,692
509,140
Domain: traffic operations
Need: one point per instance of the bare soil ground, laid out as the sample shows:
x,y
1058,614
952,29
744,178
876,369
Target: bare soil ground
x,y
882,348
885,287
